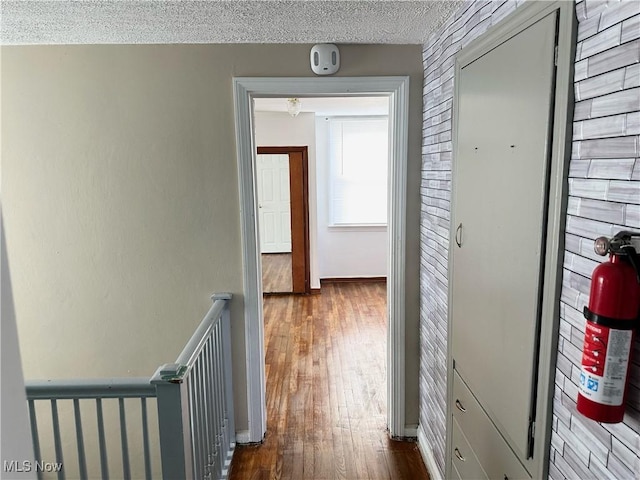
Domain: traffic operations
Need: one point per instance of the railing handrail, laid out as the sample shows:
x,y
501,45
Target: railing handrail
x,y
90,388
193,346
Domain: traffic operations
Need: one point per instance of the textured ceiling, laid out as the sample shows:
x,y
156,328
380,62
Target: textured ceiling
x,y
214,21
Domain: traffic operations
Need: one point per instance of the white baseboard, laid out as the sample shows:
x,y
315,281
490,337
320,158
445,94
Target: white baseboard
x,y
243,437
427,455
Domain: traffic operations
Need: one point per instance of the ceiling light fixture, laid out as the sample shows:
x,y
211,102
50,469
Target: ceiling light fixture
x,y
293,106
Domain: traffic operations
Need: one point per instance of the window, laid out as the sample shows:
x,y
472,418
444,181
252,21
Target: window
x,y
359,159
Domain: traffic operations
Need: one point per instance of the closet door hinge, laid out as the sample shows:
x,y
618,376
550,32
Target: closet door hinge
x,y
532,434
555,56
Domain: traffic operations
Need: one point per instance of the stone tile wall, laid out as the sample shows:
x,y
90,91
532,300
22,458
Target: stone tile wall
x,y
604,197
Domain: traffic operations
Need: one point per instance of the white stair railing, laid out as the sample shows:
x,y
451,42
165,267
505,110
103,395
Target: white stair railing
x,y
81,393
194,397
195,402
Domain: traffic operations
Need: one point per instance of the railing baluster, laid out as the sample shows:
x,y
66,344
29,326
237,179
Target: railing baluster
x,y
193,409
145,439
202,417
215,402
219,402
206,390
226,434
34,434
221,389
210,418
82,459
56,436
212,460
203,414
193,387
230,427
205,409
104,465
126,472
196,413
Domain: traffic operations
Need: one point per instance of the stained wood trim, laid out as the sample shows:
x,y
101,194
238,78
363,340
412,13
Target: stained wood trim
x,y
299,196
353,280
280,150
299,221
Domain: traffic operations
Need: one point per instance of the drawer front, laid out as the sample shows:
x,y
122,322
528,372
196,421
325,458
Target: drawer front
x,y
465,463
494,454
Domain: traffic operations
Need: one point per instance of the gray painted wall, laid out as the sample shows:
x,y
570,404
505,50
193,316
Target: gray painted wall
x,y
604,196
121,198
15,437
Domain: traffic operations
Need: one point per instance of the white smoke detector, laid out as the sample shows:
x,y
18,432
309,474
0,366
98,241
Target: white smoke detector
x,y
325,59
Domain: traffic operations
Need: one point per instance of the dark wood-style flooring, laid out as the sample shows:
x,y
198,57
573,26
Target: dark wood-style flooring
x,y
277,274
326,391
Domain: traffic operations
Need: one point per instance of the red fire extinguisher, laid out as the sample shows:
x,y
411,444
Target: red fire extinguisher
x,y
612,317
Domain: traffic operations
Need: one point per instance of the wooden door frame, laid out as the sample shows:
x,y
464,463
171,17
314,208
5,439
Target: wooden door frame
x,y
299,196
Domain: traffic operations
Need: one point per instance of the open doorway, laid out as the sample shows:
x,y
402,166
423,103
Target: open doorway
x,y
246,90
283,218
348,157
343,328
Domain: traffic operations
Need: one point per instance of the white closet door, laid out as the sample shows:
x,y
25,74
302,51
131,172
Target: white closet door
x,y
500,199
274,205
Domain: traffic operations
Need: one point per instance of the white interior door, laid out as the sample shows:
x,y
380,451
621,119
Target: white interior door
x,y
274,204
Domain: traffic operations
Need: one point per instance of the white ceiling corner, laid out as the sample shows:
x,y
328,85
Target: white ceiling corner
x,y
25,22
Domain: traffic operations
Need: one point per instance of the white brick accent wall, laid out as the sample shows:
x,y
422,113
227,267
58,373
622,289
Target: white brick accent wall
x,y
604,197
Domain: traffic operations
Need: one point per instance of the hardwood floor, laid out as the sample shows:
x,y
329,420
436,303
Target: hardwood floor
x,y
277,273
326,391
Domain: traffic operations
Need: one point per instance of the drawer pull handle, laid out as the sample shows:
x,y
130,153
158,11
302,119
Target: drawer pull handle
x,y
459,455
459,406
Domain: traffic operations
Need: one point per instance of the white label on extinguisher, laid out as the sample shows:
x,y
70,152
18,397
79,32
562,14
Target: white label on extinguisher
x,y
604,364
